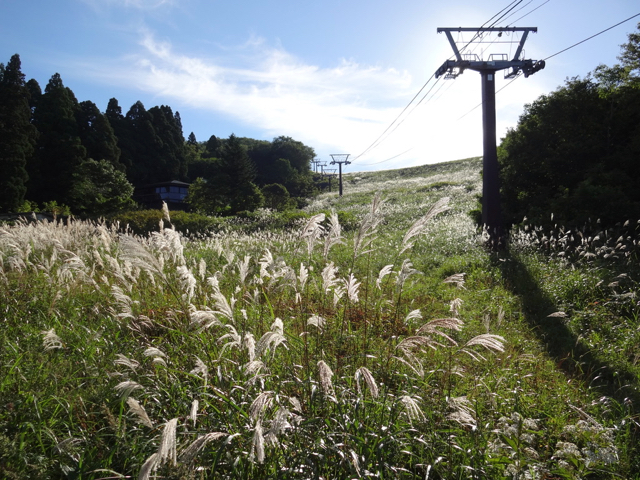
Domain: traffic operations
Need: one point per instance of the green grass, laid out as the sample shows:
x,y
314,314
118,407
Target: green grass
x,y
307,352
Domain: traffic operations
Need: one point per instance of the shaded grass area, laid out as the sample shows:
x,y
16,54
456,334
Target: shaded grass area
x,y
567,348
562,344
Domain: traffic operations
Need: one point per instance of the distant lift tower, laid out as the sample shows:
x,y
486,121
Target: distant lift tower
x,y
491,216
340,159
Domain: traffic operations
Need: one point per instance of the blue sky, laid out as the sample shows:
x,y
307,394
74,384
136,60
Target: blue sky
x,y
332,74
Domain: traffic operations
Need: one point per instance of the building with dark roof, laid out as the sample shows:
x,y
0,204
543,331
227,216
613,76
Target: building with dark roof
x,y
173,193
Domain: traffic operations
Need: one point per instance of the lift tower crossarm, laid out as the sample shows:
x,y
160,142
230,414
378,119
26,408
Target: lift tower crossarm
x,y
526,66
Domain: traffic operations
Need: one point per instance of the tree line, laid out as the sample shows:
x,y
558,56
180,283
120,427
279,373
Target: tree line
x,y
574,156
54,148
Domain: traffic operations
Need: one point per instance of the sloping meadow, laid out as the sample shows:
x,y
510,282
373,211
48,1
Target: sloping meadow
x,y
393,349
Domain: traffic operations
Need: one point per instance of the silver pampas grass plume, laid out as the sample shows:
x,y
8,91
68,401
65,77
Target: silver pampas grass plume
x,y
193,416
386,270
457,280
366,233
201,369
363,373
334,236
352,286
434,326
189,453
126,361
203,319
257,447
317,321
325,373
50,340
329,277
165,212
488,341
413,315
167,449
271,340
126,388
419,225
139,412
491,342
260,404
412,409
157,356
148,467
462,412
313,230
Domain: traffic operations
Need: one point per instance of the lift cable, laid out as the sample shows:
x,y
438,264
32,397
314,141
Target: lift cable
x,y
555,54
501,14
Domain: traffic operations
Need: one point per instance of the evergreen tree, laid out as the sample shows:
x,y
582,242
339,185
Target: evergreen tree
x,y
113,112
196,165
212,147
17,135
97,135
170,162
231,189
35,92
236,167
123,135
142,144
239,173
59,149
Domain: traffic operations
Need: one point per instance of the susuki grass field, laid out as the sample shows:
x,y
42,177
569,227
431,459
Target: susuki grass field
x,y
394,346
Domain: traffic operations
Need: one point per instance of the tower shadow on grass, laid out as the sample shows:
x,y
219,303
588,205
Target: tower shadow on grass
x,y
566,348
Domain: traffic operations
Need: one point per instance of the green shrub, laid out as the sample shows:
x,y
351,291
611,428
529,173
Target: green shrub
x,y
144,222
436,186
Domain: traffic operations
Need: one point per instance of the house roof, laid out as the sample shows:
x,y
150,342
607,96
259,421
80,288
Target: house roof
x,y
173,183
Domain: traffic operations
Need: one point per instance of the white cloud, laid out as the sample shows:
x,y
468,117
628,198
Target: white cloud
x,y
139,4
337,109
267,88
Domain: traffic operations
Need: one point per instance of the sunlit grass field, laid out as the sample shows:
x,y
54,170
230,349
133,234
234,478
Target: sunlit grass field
x,y
393,345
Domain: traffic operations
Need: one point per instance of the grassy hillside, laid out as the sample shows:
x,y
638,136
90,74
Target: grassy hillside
x,y
393,345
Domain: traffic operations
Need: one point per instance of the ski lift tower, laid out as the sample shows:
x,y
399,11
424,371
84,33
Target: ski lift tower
x,y
340,158
491,216
330,173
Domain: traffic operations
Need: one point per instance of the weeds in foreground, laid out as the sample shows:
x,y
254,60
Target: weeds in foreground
x,y
310,354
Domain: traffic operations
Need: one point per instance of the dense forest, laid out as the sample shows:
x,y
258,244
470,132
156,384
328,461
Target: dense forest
x,y
574,156
58,152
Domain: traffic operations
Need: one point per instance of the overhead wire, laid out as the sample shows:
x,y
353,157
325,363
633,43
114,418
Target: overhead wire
x,y
379,140
556,54
514,78
388,159
509,7
382,136
531,11
376,142
593,36
509,14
